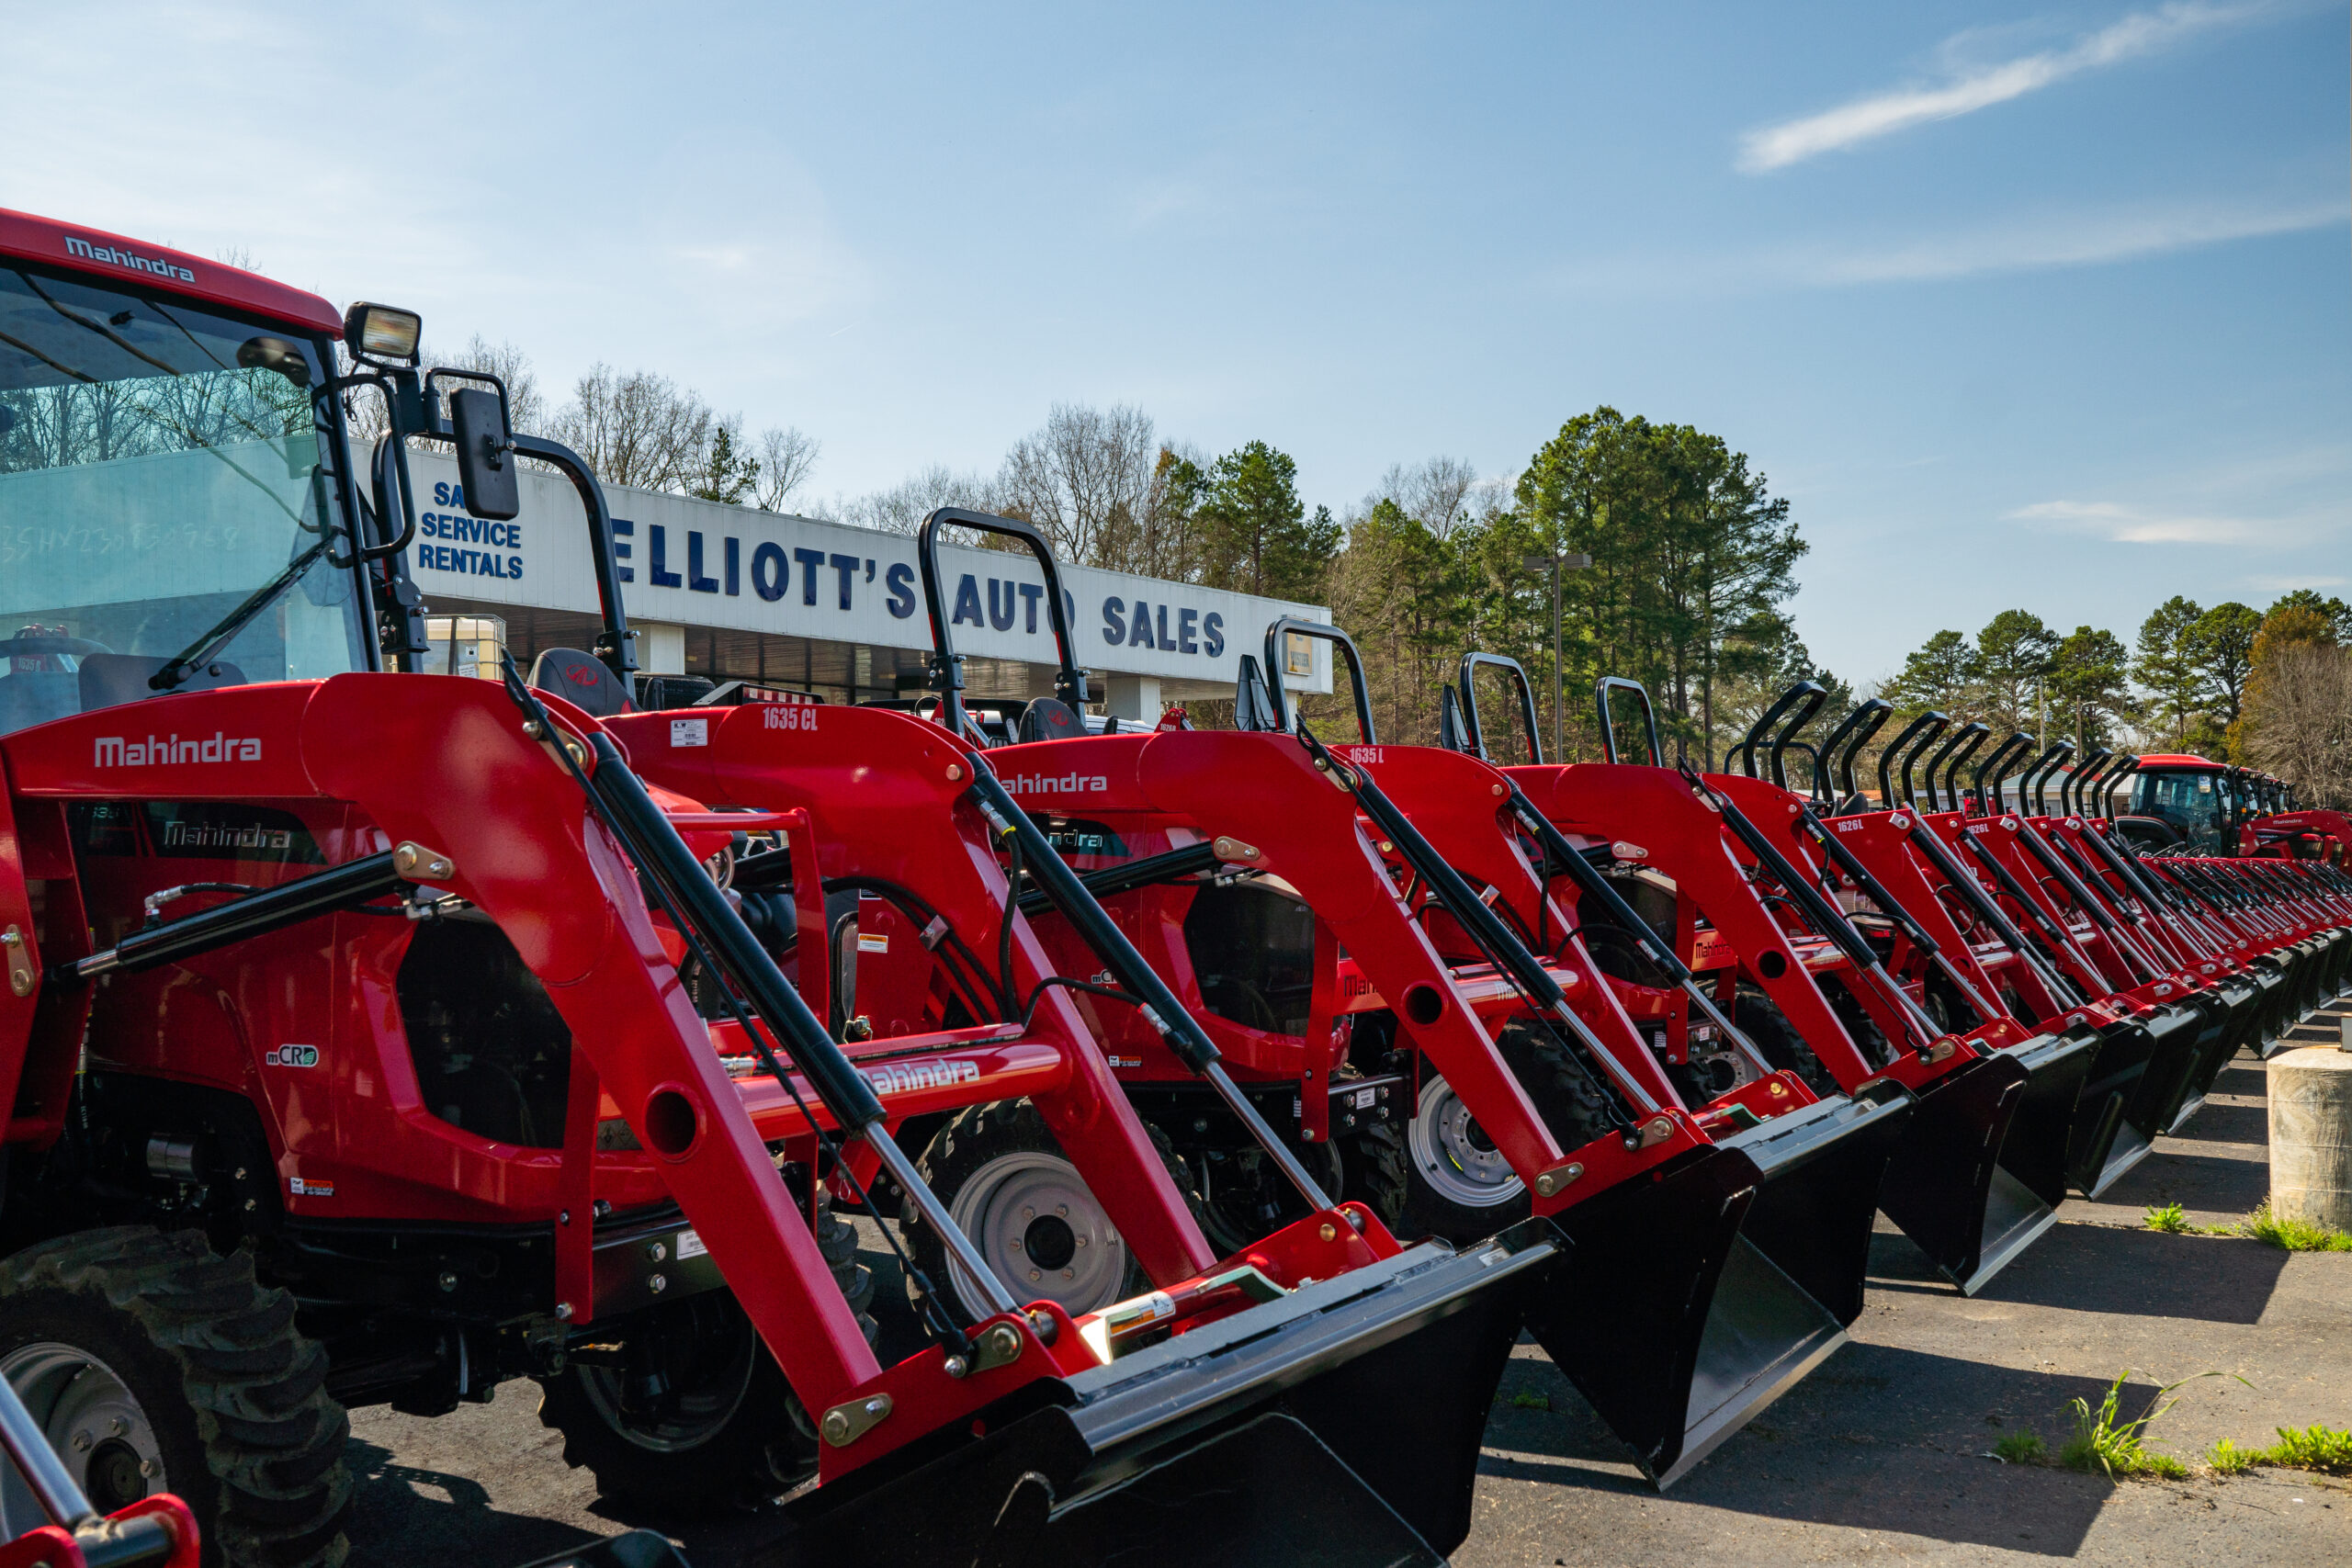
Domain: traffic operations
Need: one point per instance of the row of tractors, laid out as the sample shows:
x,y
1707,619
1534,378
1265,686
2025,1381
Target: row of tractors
x,y
1228,1102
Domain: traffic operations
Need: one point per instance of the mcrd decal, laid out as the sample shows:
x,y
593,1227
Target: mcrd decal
x,y
290,1057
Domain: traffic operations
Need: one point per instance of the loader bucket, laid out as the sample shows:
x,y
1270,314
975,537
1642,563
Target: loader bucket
x,y
2140,1062
1702,1293
1983,1166
1346,1433
2231,1008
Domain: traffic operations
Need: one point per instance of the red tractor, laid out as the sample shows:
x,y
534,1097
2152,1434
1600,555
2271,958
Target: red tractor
x,y
382,1037
2179,803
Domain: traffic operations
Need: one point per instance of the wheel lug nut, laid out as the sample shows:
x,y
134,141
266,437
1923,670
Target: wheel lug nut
x,y
149,1469
1062,1209
1028,1214
118,1427
1082,1241
1035,1275
1070,1273
81,1442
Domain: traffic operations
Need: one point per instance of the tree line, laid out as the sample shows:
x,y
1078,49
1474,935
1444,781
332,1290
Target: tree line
x,y
1691,564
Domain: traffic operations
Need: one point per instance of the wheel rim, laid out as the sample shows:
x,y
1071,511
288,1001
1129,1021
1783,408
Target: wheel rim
x,y
1043,1232
1453,1156
689,1415
93,1421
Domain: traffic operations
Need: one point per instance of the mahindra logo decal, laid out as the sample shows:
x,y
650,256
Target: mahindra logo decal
x,y
581,675
932,1072
112,257
1068,783
113,751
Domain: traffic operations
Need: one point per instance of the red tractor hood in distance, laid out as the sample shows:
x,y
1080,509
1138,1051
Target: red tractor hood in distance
x,y
100,254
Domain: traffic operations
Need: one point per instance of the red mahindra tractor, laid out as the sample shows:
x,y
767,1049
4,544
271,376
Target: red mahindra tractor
x,y
1709,886
2183,803
1724,1258
380,1037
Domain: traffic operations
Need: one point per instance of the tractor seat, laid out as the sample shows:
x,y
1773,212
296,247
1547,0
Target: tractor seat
x,y
582,680
1050,718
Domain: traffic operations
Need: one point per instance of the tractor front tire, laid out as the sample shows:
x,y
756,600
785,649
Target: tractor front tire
x,y
152,1364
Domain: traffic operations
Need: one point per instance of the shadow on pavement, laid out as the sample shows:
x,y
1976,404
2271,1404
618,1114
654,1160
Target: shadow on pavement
x,y
2143,1274
1879,1438
2229,1124
396,1518
2213,1182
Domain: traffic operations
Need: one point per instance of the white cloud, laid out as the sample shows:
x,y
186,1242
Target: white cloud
x,y
1982,87
2132,525
2069,239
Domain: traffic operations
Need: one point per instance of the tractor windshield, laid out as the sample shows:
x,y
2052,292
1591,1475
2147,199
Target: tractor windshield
x,y
168,507
2190,801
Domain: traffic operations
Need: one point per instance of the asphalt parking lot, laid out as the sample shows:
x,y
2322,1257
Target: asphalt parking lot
x,y
1882,1456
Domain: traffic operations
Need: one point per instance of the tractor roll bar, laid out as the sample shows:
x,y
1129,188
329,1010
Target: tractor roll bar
x,y
1863,722
1997,765
1974,733
1471,665
2125,766
946,671
1600,691
2036,777
1339,640
1811,695
1964,740
1933,723
2070,794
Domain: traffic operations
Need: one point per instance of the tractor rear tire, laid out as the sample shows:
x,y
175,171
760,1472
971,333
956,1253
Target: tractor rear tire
x,y
192,1379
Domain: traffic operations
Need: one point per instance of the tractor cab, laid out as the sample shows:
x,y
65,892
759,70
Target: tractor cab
x,y
2181,803
175,505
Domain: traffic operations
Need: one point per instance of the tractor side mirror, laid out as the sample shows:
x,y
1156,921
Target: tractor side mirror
x,y
485,455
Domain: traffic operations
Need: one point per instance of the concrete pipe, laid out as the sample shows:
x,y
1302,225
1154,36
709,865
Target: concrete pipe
x,y
2311,1135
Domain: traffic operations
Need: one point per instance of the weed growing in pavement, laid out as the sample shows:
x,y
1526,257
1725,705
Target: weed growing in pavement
x,y
2228,1459
1523,1399
2294,1236
2021,1448
2105,1444
2311,1447
2171,1219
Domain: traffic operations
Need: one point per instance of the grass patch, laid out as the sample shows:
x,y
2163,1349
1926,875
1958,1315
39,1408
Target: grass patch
x,y
2169,1218
2021,1448
2311,1448
2292,1235
1523,1399
2228,1459
2105,1444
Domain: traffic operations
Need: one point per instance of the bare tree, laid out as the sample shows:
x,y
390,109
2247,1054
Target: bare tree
x,y
1431,493
2302,728
787,457
638,429
1083,478
902,508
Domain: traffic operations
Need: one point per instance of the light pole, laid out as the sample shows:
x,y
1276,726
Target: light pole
x,y
1556,565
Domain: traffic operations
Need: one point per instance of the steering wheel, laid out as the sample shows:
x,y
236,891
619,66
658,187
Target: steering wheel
x,y
27,647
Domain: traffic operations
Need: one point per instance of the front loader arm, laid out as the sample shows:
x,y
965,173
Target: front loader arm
x,y
516,832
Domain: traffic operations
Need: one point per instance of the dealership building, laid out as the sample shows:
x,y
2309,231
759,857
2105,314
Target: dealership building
x,y
797,605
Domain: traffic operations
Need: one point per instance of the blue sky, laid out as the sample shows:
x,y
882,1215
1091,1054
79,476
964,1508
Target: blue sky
x,y
2039,305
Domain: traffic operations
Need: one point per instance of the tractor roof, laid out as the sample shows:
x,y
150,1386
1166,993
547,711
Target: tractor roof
x,y
97,252
2177,759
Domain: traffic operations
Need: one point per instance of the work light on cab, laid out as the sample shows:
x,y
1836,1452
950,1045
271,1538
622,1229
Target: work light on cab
x,y
382,331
